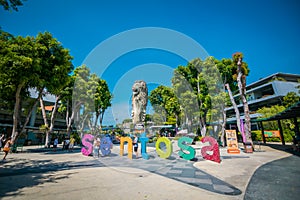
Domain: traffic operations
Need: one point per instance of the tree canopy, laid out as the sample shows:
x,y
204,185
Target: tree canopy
x,y
11,4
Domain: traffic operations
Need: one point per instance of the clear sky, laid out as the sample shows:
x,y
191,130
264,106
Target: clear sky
x,y
266,31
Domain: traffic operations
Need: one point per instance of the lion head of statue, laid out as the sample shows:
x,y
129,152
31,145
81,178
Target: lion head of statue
x,y
139,101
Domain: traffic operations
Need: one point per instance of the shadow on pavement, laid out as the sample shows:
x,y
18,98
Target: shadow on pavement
x,y
34,172
287,148
279,179
29,180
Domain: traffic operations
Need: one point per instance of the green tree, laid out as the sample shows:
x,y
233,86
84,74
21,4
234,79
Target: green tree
x,y
290,99
103,98
77,99
84,98
19,69
163,98
241,73
267,112
234,72
40,63
57,66
228,73
198,86
11,4
182,83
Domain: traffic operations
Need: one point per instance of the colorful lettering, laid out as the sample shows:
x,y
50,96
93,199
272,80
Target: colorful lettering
x,y
129,146
169,148
87,142
182,145
214,147
105,146
143,138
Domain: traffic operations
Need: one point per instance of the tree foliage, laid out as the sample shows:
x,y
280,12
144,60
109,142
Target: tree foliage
x,y
198,87
85,100
11,4
163,99
28,62
290,99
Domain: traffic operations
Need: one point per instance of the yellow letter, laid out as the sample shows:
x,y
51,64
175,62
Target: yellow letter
x,y
129,145
169,148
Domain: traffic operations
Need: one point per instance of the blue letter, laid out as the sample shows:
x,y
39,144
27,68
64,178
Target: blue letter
x,y
144,141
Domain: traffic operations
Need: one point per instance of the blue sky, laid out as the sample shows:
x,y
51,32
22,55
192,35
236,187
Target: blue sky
x,y
267,32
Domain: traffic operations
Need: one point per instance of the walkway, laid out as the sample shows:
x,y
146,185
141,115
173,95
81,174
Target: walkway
x,y
69,174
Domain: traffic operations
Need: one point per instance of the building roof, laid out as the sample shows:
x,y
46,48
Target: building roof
x,y
285,76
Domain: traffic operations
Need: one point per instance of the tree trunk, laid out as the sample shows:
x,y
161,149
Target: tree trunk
x,y
31,110
69,119
45,121
101,119
237,112
52,120
16,114
242,90
223,129
96,120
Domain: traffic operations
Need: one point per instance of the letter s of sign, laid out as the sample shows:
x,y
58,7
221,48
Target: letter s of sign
x,y
183,146
214,147
87,141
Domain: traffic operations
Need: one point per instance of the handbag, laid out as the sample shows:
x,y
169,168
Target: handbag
x,y
6,149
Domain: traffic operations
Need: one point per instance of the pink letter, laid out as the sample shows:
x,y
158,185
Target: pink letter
x,y
214,147
87,142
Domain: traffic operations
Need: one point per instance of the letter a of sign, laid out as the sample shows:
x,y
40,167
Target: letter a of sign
x,y
214,147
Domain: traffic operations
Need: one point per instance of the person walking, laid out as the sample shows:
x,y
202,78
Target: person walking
x,y
1,141
136,145
96,147
71,145
55,143
6,148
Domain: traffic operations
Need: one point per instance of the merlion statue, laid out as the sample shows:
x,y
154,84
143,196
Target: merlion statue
x,y
139,101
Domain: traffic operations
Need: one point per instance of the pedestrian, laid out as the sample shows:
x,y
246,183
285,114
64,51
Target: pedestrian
x,y
6,148
1,141
136,145
96,147
71,145
55,143
66,144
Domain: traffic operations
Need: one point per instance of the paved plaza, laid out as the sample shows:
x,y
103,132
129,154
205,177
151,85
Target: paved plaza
x,y
45,174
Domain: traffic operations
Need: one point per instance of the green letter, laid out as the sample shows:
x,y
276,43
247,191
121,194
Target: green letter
x,y
183,146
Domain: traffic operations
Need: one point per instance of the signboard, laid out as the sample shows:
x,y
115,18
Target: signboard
x,y
232,142
272,134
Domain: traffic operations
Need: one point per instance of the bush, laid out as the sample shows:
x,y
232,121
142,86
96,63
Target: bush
x,y
256,135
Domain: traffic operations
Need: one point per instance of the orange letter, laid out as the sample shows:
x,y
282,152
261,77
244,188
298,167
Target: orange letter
x,y
129,145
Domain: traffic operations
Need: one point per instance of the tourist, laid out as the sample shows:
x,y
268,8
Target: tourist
x,y
1,141
55,143
6,147
96,147
136,145
66,144
71,145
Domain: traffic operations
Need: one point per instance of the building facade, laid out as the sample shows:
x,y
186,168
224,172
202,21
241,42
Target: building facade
x,y
265,92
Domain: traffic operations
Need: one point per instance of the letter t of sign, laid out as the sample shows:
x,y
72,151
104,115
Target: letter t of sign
x,y
144,141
